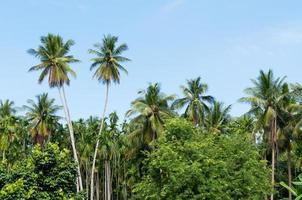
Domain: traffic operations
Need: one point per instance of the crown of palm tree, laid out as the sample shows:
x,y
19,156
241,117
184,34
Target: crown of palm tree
x,y
265,96
53,54
194,100
7,108
151,109
42,115
217,117
108,60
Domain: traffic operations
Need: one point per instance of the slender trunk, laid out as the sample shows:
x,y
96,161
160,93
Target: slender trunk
x,y
98,143
87,181
273,138
71,133
289,169
108,180
97,185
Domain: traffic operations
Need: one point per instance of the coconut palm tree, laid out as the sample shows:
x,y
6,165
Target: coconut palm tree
x,y
217,117
265,98
54,63
7,108
8,126
108,64
150,110
42,117
109,151
194,100
290,123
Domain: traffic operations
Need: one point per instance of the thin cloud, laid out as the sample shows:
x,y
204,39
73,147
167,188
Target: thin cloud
x,y
173,5
271,41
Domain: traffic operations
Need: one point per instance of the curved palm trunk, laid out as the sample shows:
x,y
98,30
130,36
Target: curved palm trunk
x,y
71,133
289,169
97,144
273,138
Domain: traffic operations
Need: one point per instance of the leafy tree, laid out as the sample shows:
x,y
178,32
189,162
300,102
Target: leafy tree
x,y
195,100
49,174
108,61
54,58
188,165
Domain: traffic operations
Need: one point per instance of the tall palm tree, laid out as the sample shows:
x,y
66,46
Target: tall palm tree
x,y
108,64
265,98
194,100
290,120
217,117
42,117
54,63
150,110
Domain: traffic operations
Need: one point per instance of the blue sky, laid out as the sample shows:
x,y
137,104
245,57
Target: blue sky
x,y
225,42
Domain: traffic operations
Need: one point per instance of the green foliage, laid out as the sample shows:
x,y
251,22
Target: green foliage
x,y
48,174
188,164
297,190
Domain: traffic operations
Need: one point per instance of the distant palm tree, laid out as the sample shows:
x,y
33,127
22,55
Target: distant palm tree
x,y
150,109
195,100
53,54
109,151
108,62
265,99
42,117
7,108
217,117
8,126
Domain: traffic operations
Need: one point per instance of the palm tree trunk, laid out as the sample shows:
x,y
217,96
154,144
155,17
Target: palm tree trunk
x,y
97,185
107,180
98,143
87,181
273,131
289,169
71,133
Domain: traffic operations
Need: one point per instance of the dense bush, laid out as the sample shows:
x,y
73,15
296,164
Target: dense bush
x,y
188,164
47,174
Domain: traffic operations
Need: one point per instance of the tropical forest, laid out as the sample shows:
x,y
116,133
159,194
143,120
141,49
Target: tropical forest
x,y
166,146
152,109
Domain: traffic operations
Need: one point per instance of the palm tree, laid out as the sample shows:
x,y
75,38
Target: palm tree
x,y
109,151
7,108
217,117
194,100
265,98
108,63
8,127
42,117
150,110
290,120
54,58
